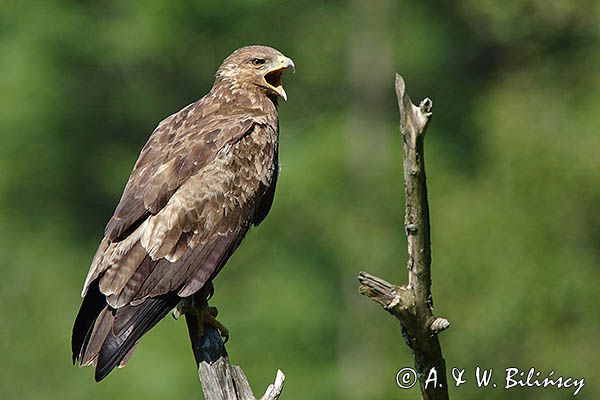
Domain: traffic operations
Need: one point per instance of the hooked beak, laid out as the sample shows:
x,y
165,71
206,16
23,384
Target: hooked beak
x,y
274,77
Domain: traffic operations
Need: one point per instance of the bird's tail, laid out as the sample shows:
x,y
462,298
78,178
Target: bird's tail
x,y
106,337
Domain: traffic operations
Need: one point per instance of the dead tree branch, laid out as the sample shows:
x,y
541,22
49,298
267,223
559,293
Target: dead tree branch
x,y
412,304
220,380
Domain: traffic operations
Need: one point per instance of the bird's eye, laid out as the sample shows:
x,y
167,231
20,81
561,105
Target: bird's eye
x,y
257,61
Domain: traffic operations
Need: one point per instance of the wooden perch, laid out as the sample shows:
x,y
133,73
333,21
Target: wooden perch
x,y
219,379
412,304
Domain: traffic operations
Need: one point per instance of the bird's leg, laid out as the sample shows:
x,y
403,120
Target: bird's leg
x,y
197,305
208,315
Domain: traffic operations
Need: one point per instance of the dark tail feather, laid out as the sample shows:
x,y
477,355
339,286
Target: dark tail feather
x,y
130,324
93,303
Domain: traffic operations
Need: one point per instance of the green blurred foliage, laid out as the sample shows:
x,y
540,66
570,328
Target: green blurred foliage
x,y
513,167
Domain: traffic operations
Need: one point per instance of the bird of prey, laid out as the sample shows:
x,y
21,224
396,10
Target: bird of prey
x,y
205,176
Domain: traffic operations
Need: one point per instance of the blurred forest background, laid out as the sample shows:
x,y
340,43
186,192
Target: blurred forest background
x,y
513,161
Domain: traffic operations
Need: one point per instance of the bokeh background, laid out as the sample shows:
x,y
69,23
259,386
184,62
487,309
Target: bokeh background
x,y
513,161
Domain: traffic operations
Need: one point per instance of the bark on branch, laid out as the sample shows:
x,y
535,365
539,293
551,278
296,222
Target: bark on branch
x,y
412,304
220,380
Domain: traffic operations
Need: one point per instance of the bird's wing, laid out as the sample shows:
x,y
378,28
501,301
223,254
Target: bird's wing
x,y
180,146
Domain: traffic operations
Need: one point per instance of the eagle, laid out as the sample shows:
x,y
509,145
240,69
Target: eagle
x,y
204,177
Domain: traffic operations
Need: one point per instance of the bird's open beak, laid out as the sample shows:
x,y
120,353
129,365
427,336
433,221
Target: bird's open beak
x,y
274,77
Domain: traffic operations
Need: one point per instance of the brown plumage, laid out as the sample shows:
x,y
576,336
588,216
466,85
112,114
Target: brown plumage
x,y
206,174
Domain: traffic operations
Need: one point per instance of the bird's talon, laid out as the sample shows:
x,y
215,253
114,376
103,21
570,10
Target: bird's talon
x,y
211,292
213,311
208,316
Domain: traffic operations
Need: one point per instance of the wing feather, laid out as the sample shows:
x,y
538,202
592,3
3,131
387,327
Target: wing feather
x,y
179,147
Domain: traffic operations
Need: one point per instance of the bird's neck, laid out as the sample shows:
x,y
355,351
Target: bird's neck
x,y
244,95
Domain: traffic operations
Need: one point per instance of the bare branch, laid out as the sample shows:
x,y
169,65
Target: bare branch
x,y
274,391
220,380
223,381
412,304
397,300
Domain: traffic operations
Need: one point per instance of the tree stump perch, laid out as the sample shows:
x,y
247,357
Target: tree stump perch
x,y
412,303
220,380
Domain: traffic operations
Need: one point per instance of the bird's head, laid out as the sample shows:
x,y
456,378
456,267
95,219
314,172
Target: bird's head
x,y
259,67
